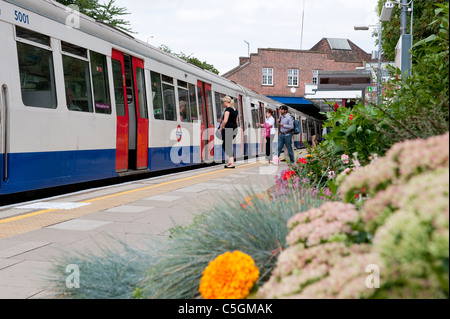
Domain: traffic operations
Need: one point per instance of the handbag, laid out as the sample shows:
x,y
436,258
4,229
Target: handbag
x,y
218,132
266,130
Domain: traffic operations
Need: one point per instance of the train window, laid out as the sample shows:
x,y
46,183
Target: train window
x,y
74,49
32,36
167,79
118,87
219,105
169,102
37,78
142,96
158,108
200,102
304,126
183,96
210,107
77,83
236,105
100,83
255,115
193,103
182,84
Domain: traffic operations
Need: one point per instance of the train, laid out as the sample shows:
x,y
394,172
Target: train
x,y
81,101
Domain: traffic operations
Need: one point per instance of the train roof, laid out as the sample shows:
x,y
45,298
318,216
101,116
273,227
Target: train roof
x,y
59,13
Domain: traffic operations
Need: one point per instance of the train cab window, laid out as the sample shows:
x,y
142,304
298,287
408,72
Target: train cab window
x,y
100,82
193,102
37,76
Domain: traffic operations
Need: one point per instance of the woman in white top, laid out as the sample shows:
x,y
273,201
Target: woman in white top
x,y
270,132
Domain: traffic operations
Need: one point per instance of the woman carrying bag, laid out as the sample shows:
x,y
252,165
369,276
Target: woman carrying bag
x,y
269,131
228,129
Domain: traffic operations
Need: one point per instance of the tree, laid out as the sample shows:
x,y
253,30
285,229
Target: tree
x,y
107,12
189,58
423,16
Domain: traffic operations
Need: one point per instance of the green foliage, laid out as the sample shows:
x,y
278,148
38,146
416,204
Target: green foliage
x,y
418,106
191,59
423,16
107,12
356,130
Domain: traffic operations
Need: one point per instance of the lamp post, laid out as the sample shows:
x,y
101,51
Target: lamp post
x,y
248,44
405,39
365,28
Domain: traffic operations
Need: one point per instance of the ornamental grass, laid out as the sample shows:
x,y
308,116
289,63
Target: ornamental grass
x,y
173,268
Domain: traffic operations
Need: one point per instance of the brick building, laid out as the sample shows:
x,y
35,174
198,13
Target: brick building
x,y
284,74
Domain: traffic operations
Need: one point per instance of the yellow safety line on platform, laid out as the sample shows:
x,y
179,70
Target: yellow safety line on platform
x,y
12,219
158,185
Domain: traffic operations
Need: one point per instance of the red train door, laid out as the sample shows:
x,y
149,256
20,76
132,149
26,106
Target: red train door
x,y
120,92
132,114
207,127
141,114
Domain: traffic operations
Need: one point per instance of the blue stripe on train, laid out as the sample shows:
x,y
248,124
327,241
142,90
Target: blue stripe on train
x,y
30,171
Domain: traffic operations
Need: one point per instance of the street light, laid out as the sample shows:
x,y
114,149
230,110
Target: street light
x,y
248,44
386,12
405,39
365,28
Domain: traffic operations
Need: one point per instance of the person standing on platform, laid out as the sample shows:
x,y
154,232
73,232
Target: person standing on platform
x,y
228,128
286,124
270,131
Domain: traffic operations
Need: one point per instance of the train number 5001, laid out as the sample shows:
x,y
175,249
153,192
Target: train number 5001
x,y
22,17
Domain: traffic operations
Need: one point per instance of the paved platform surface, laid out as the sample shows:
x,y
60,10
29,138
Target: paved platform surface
x,y
32,234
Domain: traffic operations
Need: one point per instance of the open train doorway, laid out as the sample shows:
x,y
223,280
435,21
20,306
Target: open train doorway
x,y
132,112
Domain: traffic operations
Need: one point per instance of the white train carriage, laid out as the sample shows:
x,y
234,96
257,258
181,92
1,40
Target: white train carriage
x,y
89,102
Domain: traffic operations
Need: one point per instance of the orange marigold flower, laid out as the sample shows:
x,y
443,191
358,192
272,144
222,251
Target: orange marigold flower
x,y
229,276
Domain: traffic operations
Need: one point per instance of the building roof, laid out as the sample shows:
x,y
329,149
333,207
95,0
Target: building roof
x,y
340,50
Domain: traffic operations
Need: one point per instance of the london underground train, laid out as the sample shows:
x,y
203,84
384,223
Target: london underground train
x,y
81,101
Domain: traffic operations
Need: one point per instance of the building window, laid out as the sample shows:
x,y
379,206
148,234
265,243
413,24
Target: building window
x,y
315,80
267,76
293,77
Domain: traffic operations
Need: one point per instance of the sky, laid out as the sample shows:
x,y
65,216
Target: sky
x,y
215,31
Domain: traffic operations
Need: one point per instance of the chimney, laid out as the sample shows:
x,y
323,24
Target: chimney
x,y
243,60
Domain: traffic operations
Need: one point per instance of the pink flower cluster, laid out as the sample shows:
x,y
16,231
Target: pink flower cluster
x,y
331,270
401,162
330,222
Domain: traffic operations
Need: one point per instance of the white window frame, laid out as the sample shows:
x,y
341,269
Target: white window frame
x,y
315,77
293,77
267,78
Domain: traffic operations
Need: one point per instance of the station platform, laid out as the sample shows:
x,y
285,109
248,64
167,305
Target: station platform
x,y
35,233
